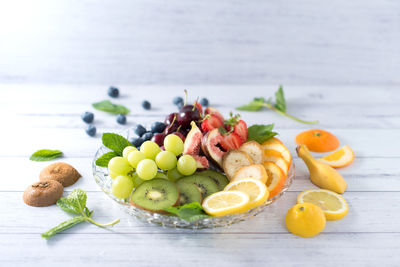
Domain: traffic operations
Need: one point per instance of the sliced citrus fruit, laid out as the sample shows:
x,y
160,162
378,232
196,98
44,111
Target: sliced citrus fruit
x,y
226,202
281,148
255,171
276,157
276,178
272,140
339,158
256,190
332,204
317,140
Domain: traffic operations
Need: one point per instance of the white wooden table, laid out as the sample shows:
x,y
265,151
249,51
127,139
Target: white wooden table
x,y
36,117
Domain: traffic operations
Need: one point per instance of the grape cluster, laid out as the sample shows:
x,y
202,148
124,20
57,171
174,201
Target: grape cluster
x,y
136,166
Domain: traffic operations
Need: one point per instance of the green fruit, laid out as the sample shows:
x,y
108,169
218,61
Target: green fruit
x,y
112,174
122,186
166,160
155,195
187,165
218,177
119,165
147,169
188,193
135,157
174,144
136,180
206,185
150,149
128,150
161,175
173,175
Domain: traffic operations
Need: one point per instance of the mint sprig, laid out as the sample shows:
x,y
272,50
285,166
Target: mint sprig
x,y
75,203
190,212
45,155
261,133
109,107
279,106
116,143
105,158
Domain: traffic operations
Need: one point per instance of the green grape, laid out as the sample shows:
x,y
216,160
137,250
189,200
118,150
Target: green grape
x,y
150,149
136,179
135,157
122,186
147,169
161,175
119,165
128,150
173,175
187,165
166,160
112,174
174,144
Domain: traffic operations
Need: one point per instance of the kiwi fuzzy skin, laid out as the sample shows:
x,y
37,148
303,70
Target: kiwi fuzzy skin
x,y
43,194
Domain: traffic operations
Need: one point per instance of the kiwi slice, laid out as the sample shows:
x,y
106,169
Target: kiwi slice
x,y
155,195
188,193
206,185
218,177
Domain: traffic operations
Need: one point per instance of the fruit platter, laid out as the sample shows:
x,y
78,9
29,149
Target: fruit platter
x,y
197,169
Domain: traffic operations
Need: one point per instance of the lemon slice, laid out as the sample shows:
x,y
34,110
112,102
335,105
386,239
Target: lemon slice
x,y
339,158
333,205
255,189
226,202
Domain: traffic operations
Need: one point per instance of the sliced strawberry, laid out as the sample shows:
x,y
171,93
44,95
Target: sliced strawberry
x,y
210,123
214,111
241,129
231,141
199,107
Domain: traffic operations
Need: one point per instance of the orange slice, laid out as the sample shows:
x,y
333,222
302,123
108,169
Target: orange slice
x,y
276,178
317,140
272,140
276,157
339,158
279,147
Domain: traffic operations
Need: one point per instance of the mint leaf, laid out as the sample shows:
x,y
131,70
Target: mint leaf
x,y
115,142
255,105
67,205
190,212
105,158
280,102
261,133
109,107
74,203
45,155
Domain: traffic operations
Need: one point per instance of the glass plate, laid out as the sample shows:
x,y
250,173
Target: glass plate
x,y
104,181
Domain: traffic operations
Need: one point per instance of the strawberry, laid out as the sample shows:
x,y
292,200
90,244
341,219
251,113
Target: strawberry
x,y
241,129
214,111
231,141
211,122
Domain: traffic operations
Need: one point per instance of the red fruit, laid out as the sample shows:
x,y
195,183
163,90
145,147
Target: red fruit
x,y
214,111
212,122
158,139
193,141
241,129
199,107
210,146
201,161
231,141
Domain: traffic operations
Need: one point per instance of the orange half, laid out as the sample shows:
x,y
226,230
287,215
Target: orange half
x,y
339,158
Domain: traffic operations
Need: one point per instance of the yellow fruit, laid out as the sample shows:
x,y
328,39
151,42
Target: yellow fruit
x,y
305,220
226,202
339,158
279,147
321,174
276,157
256,190
255,171
333,205
276,178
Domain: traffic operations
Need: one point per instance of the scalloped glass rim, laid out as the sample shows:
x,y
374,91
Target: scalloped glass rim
x,y
104,181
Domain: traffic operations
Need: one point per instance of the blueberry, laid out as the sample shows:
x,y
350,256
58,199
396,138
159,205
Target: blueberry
x,y
180,105
177,100
139,130
146,105
91,130
157,127
113,91
147,136
87,117
204,102
121,119
136,141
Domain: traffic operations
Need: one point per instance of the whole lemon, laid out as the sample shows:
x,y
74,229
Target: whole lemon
x,y
305,220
